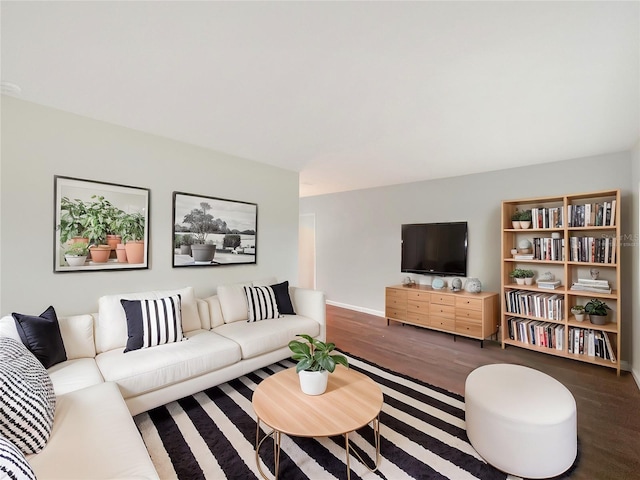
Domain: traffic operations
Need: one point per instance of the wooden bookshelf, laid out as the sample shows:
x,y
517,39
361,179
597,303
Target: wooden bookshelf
x,y
586,227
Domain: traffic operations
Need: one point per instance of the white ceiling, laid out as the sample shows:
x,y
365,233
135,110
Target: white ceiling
x,y
350,94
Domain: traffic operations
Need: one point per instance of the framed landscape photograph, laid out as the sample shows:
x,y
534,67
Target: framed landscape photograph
x,y
99,226
210,231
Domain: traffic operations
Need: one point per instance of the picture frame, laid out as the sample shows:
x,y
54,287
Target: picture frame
x,y
106,223
212,232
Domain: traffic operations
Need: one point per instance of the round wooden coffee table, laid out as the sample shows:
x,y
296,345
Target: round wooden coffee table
x,y
352,400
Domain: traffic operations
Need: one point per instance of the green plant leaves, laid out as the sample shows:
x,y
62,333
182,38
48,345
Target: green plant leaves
x,y
315,355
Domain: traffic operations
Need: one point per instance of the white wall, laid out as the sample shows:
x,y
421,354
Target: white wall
x,y
634,261
358,233
39,142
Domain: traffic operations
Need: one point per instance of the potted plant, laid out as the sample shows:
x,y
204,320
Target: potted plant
x,y
201,224
131,227
525,219
519,274
73,218
186,241
515,219
578,312
315,362
598,311
76,254
528,277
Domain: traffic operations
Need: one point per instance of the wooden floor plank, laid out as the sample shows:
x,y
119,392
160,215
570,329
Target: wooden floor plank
x,y
608,406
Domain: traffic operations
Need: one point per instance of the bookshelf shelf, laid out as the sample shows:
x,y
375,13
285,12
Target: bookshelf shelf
x,y
578,222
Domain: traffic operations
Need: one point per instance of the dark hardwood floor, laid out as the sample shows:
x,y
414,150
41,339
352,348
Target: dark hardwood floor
x,y
608,406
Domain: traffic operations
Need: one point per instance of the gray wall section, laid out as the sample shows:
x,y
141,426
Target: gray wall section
x,y
358,232
39,142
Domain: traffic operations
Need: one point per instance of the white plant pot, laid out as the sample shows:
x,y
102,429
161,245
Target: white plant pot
x,y
579,316
313,383
520,281
528,281
75,260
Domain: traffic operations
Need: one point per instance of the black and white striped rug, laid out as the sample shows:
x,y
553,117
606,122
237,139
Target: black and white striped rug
x,y
211,435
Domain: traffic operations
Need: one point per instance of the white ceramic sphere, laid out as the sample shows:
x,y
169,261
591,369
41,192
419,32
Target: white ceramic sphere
x,y
473,285
524,244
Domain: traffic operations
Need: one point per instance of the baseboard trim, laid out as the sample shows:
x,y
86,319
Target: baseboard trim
x,y
636,377
369,311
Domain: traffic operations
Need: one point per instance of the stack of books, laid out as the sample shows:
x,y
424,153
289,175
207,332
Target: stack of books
x,y
550,284
590,285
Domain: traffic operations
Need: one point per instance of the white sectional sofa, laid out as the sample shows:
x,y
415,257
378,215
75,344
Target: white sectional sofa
x,y
99,387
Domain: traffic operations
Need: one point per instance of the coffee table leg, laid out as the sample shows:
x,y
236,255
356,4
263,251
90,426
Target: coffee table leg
x,y
276,449
376,439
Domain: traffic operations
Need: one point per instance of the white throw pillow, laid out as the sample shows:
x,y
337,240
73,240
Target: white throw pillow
x,y
233,302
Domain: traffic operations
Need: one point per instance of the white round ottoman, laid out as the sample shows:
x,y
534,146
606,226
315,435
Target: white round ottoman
x,y
520,420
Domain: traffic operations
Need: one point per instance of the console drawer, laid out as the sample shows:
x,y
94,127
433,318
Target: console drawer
x,y
396,293
395,313
445,311
443,299
418,296
469,315
443,323
418,318
469,303
418,307
473,329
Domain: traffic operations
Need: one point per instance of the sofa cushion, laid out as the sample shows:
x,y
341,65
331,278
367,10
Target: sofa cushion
x,y
149,369
74,374
152,322
41,335
268,335
281,291
77,335
93,437
13,465
261,303
27,399
233,302
111,322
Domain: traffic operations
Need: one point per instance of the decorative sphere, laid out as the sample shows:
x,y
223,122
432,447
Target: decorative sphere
x,y
547,277
437,283
473,285
524,244
456,284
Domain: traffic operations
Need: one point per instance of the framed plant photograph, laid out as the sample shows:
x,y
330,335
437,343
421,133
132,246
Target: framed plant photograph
x,y
99,226
210,231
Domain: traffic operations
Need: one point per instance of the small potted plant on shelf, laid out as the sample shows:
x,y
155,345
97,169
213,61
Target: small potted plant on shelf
x,y
528,277
515,219
598,311
315,362
76,254
131,227
578,312
519,274
525,219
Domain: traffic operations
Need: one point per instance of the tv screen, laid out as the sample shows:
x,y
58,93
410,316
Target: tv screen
x,y
435,248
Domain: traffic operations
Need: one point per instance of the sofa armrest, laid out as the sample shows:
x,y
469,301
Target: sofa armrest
x,y
311,304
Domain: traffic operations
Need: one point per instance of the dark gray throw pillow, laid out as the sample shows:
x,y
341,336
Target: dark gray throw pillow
x,y
281,291
41,335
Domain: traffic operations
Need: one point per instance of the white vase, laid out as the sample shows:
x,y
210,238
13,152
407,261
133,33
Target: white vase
x,y
313,383
520,281
524,224
528,281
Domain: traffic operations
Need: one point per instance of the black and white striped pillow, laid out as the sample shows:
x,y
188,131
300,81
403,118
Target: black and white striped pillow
x,y
262,303
13,465
153,322
27,399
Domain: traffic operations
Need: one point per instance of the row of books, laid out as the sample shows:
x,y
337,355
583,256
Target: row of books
x,y
590,285
542,305
535,332
547,217
592,214
595,250
546,248
593,343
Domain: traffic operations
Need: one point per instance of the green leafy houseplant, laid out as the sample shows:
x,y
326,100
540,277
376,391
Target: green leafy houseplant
x,y
525,216
73,219
131,227
597,307
520,273
78,249
315,355
516,215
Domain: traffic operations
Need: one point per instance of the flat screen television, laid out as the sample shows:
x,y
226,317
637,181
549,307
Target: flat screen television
x,y
435,248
